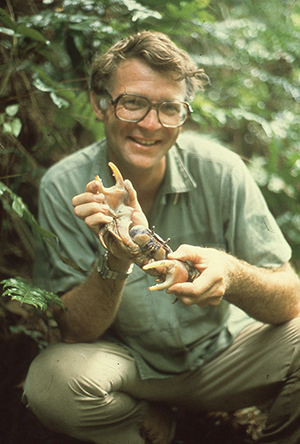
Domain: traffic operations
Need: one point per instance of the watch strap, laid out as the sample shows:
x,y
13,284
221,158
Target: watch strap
x,y
106,273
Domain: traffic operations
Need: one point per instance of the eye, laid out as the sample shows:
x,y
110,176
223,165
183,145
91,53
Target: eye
x,y
133,103
171,108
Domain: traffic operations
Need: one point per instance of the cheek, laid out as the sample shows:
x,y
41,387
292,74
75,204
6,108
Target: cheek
x,y
116,136
112,127
173,135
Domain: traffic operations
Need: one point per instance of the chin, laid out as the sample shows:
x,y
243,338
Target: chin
x,y
145,164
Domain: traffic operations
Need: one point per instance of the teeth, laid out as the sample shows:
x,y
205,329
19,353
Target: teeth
x,y
145,142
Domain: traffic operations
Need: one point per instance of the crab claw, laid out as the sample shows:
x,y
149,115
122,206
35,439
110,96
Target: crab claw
x,y
117,194
174,272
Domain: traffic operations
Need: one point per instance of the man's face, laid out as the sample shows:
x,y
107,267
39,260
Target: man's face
x,y
141,145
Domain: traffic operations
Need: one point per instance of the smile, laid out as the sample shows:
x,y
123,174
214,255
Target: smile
x,y
144,141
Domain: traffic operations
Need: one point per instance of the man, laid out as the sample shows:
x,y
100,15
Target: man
x,y
129,355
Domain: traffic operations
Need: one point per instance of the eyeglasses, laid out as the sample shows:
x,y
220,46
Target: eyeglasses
x,y
134,108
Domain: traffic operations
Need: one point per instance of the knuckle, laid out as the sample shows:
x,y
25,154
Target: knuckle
x,y
219,292
187,301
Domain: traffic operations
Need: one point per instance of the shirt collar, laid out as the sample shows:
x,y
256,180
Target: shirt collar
x,y
178,178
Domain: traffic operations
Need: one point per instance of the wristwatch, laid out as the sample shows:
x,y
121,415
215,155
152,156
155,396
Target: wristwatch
x,y
106,273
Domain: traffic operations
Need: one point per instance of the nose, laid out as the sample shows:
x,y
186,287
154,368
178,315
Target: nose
x,y
150,121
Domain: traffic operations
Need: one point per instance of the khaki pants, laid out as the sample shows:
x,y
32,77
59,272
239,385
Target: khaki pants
x,y
93,392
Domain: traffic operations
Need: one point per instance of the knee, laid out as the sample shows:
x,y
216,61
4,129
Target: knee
x,y
87,390
66,384
55,390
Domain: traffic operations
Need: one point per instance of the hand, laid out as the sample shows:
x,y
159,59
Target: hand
x,y
214,279
91,207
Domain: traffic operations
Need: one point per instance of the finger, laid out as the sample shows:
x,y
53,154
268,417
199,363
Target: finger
x,y
182,289
93,208
86,197
200,285
205,286
210,297
95,186
188,253
96,221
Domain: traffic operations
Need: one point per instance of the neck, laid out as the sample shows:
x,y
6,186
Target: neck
x,y
146,183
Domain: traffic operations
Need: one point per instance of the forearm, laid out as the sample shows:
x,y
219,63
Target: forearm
x,y
268,295
91,307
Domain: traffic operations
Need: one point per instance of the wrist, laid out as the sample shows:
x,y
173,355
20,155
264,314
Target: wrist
x,y
110,267
234,277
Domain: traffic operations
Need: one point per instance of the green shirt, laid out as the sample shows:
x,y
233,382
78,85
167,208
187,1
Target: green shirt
x,y
208,198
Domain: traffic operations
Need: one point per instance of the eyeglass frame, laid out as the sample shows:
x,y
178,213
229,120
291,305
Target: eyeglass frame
x,y
156,106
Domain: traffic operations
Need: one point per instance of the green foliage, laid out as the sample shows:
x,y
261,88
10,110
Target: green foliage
x,y
18,288
24,292
14,202
11,124
252,56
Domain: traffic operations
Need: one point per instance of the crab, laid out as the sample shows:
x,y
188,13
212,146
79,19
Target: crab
x,y
143,246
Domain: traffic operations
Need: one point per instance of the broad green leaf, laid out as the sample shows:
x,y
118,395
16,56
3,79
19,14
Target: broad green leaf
x,y
16,126
12,126
5,18
45,83
7,128
8,31
42,86
61,103
23,291
12,110
31,33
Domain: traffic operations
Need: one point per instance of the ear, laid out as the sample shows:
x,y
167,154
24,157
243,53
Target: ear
x,y
96,106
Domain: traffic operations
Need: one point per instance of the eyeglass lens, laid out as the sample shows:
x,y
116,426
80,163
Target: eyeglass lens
x,y
134,108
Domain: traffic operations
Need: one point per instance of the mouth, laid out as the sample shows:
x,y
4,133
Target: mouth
x,y
144,142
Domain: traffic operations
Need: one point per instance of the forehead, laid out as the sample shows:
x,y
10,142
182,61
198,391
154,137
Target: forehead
x,y
138,77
